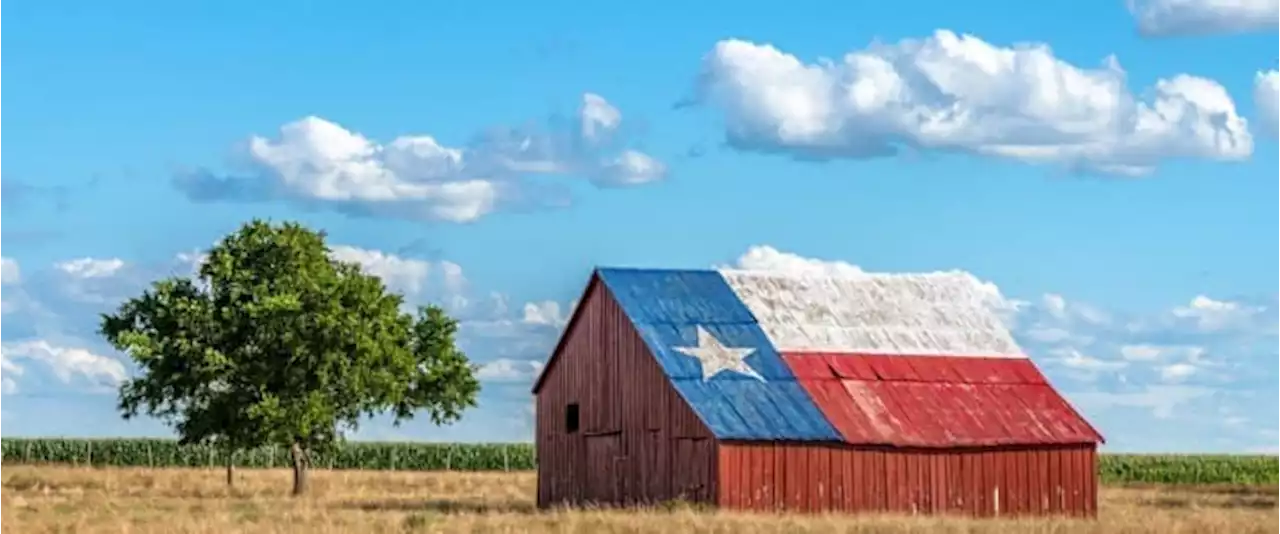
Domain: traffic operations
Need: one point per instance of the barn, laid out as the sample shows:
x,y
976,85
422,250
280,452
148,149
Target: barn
x,y
766,391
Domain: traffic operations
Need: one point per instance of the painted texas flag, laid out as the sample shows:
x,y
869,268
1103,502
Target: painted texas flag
x,y
906,360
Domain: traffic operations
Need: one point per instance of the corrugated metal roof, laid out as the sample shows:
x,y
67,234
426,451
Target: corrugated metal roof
x,y
948,313
668,308
936,401
899,360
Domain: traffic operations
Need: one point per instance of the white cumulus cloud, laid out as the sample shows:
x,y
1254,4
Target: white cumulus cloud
x,y
547,312
66,363
1203,17
404,275
317,162
631,168
509,370
91,267
767,258
953,92
1208,314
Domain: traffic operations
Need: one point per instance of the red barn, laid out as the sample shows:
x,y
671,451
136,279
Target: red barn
x,y
762,391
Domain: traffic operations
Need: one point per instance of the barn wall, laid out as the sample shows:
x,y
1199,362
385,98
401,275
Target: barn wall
x,y
639,442
798,477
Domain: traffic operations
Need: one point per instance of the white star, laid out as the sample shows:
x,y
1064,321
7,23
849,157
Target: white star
x,y
715,357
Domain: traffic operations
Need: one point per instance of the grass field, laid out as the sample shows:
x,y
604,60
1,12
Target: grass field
x,y
47,499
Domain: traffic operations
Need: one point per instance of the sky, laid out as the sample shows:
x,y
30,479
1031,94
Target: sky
x,y
1109,165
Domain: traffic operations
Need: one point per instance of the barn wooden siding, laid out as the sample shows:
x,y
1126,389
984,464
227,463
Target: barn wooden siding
x,y
1047,480
638,442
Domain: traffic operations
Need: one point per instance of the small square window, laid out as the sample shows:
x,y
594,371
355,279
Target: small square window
x,y
571,418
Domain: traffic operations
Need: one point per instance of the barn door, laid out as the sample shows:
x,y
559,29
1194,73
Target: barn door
x,y
602,469
692,468
654,470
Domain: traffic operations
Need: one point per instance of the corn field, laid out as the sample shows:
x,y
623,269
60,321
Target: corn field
x,y
350,455
1188,469
1113,468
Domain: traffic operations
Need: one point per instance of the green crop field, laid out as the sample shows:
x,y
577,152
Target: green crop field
x,y
1113,468
350,455
1188,469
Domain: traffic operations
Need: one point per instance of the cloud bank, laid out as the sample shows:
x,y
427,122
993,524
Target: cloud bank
x,y
954,92
316,163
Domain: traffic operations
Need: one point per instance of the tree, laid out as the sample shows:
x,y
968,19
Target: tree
x,y
276,343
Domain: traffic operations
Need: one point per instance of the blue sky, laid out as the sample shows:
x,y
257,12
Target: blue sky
x,y
1111,166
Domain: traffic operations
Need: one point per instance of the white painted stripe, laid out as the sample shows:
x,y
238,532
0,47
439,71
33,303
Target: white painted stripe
x,y
942,314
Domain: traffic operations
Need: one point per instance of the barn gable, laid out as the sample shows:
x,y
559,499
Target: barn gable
x,y
904,360
606,360
610,426
671,310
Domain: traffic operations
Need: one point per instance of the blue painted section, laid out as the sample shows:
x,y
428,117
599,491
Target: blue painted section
x,y
667,306
670,297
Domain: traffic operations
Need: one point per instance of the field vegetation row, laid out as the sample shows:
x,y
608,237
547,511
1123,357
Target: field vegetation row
x,y
348,455
1114,468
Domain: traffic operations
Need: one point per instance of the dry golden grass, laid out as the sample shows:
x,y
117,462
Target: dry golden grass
x,y
58,499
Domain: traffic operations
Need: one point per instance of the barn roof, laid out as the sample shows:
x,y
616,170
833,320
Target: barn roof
x,y
906,360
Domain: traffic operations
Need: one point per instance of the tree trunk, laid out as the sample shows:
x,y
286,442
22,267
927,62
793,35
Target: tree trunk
x,y
231,466
299,469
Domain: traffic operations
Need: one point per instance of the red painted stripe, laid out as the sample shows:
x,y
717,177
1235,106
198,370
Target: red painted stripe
x,y
855,368
938,401
806,366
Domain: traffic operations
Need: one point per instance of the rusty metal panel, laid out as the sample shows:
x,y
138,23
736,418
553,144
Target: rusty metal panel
x,y
631,418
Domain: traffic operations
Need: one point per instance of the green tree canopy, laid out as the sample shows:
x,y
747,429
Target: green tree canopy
x,y
276,342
